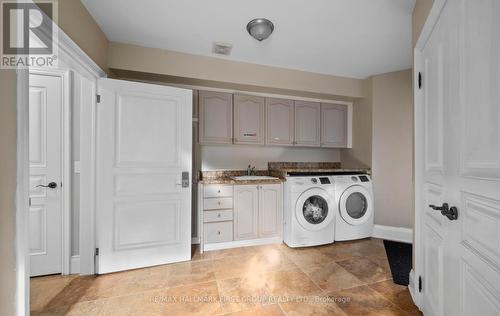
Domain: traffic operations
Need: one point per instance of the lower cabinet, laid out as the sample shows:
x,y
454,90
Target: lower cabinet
x,y
270,210
257,211
246,211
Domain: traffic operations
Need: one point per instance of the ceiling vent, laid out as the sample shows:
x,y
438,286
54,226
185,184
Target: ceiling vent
x,y
222,48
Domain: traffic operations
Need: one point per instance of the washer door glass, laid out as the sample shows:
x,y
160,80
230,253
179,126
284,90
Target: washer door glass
x,y
315,209
356,205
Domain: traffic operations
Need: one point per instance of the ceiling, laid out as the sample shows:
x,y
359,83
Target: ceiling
x,y
350,38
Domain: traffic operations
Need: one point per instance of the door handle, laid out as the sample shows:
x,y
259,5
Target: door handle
x,y
184,179
450,212
51,185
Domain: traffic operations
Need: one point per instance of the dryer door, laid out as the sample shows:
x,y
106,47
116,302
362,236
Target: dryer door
x,y
314,209
356,205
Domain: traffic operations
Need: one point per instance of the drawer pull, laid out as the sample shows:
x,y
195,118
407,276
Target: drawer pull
x,y
218,202
218,215
218,191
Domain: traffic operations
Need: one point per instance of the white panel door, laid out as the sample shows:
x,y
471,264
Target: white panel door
x,y
144,137
307,123
279,122
45,152
458,161
249,116
270,210
246,211
333,125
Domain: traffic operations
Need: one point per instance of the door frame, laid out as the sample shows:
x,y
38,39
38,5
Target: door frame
x,y
418,102
75,59
66,178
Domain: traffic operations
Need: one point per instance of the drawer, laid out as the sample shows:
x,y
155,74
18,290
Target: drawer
x,y
217,216
217,203
218,232
214,190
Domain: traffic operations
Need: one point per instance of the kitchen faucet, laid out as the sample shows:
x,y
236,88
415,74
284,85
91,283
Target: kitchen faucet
x,y
250,170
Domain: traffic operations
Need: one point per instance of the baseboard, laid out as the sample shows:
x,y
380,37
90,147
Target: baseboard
x,y
401,234
74,267
195,240
243,243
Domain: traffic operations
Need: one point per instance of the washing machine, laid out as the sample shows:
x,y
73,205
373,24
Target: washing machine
x,y
309,211
354,198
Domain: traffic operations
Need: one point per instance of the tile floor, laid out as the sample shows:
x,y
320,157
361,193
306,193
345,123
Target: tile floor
x,y
346,278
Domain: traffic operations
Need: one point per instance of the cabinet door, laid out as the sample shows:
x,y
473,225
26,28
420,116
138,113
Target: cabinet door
x,y
279,122
333,125
307,123
215,117
270,210
246,208
249,119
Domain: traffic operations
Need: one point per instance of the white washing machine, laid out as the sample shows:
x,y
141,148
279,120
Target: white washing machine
x,y
354,196
309,212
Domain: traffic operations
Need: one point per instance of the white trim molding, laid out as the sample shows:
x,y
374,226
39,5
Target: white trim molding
x,y
401,234
75,264
243,243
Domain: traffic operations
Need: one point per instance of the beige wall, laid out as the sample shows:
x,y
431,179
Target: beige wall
x,y
239,157
7,191
77,23
360,155
420,12
392,148
175,64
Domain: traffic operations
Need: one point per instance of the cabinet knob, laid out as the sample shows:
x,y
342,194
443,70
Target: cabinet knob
x,y
218,191
218,202
218,215
218,232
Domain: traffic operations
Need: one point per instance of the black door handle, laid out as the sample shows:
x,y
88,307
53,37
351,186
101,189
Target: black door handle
x,y
450,212
51,185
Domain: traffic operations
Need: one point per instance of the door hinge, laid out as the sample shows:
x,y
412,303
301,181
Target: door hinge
x,y
420,80
96,252
98,98
420,284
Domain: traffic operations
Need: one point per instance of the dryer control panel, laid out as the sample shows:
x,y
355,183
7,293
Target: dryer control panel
x,y
364,179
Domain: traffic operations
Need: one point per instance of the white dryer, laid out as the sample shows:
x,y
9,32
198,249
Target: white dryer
x,y
354,196
309,212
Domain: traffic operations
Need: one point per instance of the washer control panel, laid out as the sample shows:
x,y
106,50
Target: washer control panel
x,y
324,180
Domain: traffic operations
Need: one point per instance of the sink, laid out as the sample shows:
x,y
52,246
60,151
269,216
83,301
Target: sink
x,y
254,178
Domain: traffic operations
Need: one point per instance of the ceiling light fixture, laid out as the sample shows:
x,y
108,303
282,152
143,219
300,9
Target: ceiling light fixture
x,y
260,28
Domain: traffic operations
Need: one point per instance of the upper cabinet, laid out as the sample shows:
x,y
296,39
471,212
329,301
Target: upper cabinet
x,y
279,122
215,117
225,118
249,119
307,123
333,125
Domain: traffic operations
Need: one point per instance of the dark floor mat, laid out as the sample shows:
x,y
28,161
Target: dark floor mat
x,y
400,256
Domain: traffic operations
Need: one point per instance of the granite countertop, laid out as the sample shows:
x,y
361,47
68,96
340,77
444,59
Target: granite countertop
x,y
227,180
225,177
282,169
276,169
